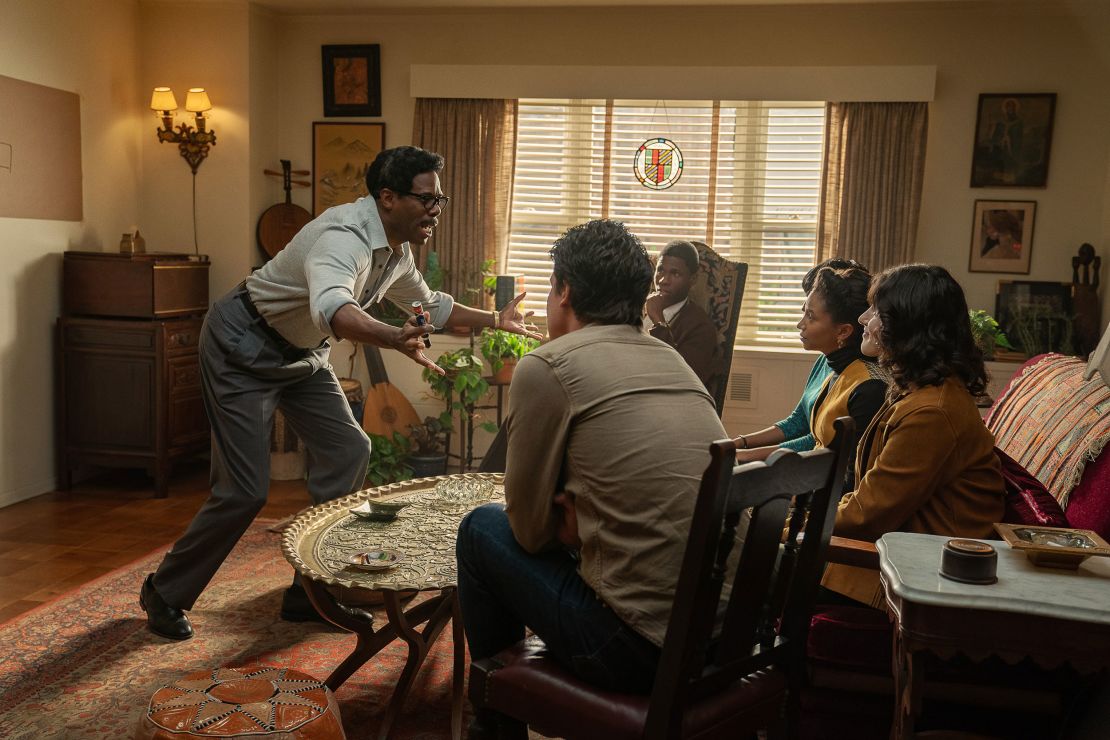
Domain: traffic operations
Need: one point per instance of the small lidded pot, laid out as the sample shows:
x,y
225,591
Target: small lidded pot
x,y
969,561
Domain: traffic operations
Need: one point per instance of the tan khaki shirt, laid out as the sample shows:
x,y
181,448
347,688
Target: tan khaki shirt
x,y
617,419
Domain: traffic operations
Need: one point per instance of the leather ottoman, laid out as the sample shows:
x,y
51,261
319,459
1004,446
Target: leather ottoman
x,y
259,701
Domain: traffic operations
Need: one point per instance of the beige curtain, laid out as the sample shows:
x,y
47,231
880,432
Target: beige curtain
x,y
477,138
871,189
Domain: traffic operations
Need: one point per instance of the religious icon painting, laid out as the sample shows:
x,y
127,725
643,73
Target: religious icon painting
x,y
658,164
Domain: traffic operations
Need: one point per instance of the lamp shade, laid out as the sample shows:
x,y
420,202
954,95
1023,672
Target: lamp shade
x,y
197,100
163,99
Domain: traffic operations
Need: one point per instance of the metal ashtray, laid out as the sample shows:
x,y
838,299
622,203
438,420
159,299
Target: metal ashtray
x,y
1054,547
375,559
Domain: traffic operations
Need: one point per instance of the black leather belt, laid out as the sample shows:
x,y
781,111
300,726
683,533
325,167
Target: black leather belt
x,y
283,344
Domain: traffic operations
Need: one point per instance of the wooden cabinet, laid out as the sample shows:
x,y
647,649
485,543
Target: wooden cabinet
x,y
128,390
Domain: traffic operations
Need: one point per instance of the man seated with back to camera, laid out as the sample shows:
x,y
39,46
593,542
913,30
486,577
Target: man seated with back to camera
x,y
601,478
675,319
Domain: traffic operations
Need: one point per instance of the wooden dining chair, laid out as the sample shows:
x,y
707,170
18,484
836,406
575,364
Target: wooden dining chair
x,y
734,646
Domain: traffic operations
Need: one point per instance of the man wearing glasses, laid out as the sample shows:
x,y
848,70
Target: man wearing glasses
x,y
265,346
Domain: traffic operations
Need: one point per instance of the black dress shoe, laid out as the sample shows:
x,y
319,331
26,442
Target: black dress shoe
x,y
295,607
161,618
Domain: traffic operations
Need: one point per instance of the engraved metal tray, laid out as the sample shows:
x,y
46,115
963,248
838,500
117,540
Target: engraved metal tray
x,y
320,540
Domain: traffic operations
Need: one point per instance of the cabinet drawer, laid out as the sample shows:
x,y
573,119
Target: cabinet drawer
x,y
139,337
184,373
187,422
183,337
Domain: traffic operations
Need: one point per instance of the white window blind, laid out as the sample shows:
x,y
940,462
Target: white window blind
x,y
749,189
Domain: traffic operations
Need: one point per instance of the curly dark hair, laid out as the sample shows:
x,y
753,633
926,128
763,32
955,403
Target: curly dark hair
x,y
394,169
608,270
845,295
685,251
926,334
836,263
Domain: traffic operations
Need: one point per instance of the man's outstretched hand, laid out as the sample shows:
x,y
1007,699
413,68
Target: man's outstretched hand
x,y
512,320
410,341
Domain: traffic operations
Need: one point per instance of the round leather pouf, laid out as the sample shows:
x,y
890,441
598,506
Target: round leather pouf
x,y
235,702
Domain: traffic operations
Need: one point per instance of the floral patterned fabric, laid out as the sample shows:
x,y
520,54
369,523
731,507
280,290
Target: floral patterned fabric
x,y
719,289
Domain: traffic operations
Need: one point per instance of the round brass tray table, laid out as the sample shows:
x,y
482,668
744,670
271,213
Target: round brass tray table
x,y
318,542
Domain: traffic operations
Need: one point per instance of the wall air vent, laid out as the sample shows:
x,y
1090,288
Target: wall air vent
x,y
741,389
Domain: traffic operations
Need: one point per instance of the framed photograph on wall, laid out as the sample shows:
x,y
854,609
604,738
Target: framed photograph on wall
x,y
352,80
341,154
1002,236
1035,315
1013,138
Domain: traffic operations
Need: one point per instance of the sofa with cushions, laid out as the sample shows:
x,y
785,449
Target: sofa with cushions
x,y
1054,421
1051,425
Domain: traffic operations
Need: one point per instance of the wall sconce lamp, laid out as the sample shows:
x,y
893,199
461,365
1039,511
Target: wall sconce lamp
x,y
193,144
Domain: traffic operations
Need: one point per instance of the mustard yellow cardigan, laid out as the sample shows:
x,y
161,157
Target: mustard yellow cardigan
x,y
925,464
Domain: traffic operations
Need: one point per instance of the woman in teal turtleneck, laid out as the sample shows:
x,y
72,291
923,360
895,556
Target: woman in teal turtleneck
x,y
855,385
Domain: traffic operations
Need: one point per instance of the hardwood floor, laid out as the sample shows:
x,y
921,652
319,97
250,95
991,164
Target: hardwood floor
x,y
57,541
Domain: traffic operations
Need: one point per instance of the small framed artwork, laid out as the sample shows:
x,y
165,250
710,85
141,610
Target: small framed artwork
x,y
341,154
1013,138
1002,236
352,80
1035,315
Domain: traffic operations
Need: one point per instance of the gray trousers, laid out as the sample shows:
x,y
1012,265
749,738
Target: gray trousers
x,y
246,374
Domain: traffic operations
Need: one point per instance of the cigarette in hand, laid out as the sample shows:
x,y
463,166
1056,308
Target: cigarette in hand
x,y
421,320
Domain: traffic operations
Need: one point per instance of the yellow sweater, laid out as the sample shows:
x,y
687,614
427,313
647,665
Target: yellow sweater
x,y
832,399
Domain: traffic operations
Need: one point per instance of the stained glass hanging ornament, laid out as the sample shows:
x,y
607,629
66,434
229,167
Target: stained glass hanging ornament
x,y
658,164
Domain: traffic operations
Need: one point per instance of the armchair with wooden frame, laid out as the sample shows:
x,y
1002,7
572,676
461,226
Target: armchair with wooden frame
x,y
718,289
733,652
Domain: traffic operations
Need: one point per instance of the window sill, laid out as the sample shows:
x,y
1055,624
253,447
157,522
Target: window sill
x,y
772,353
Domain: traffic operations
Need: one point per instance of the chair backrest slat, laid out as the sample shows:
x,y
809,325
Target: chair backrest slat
x,y
712,641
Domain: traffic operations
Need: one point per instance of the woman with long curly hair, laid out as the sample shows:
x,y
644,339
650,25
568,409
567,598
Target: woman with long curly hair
x,y
926,463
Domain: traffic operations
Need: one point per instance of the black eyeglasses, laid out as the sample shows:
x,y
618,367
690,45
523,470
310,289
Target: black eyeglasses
x,y
428,200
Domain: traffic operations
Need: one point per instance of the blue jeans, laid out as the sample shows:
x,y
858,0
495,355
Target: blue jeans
x,y
502,589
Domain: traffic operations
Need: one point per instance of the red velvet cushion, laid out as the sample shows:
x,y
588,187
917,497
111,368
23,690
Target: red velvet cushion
x,y
1089,502
524,682
1027,501
850,638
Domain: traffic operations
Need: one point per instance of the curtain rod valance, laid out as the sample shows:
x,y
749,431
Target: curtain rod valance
x,y
857,84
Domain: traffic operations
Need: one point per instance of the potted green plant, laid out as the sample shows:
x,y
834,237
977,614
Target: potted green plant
x,y
428,455
388,459
987,333
502,350
461,389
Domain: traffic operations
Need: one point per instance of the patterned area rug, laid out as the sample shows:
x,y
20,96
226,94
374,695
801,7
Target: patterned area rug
x,y
84,666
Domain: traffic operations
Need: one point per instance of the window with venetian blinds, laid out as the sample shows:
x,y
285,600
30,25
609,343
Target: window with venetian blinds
x,y
749,189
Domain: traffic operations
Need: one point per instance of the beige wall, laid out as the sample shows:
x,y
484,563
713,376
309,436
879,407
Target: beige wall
x,y
206,45
977,48
263,73
87,48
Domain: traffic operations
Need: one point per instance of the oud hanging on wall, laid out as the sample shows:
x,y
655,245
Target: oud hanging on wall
x,y
280,223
